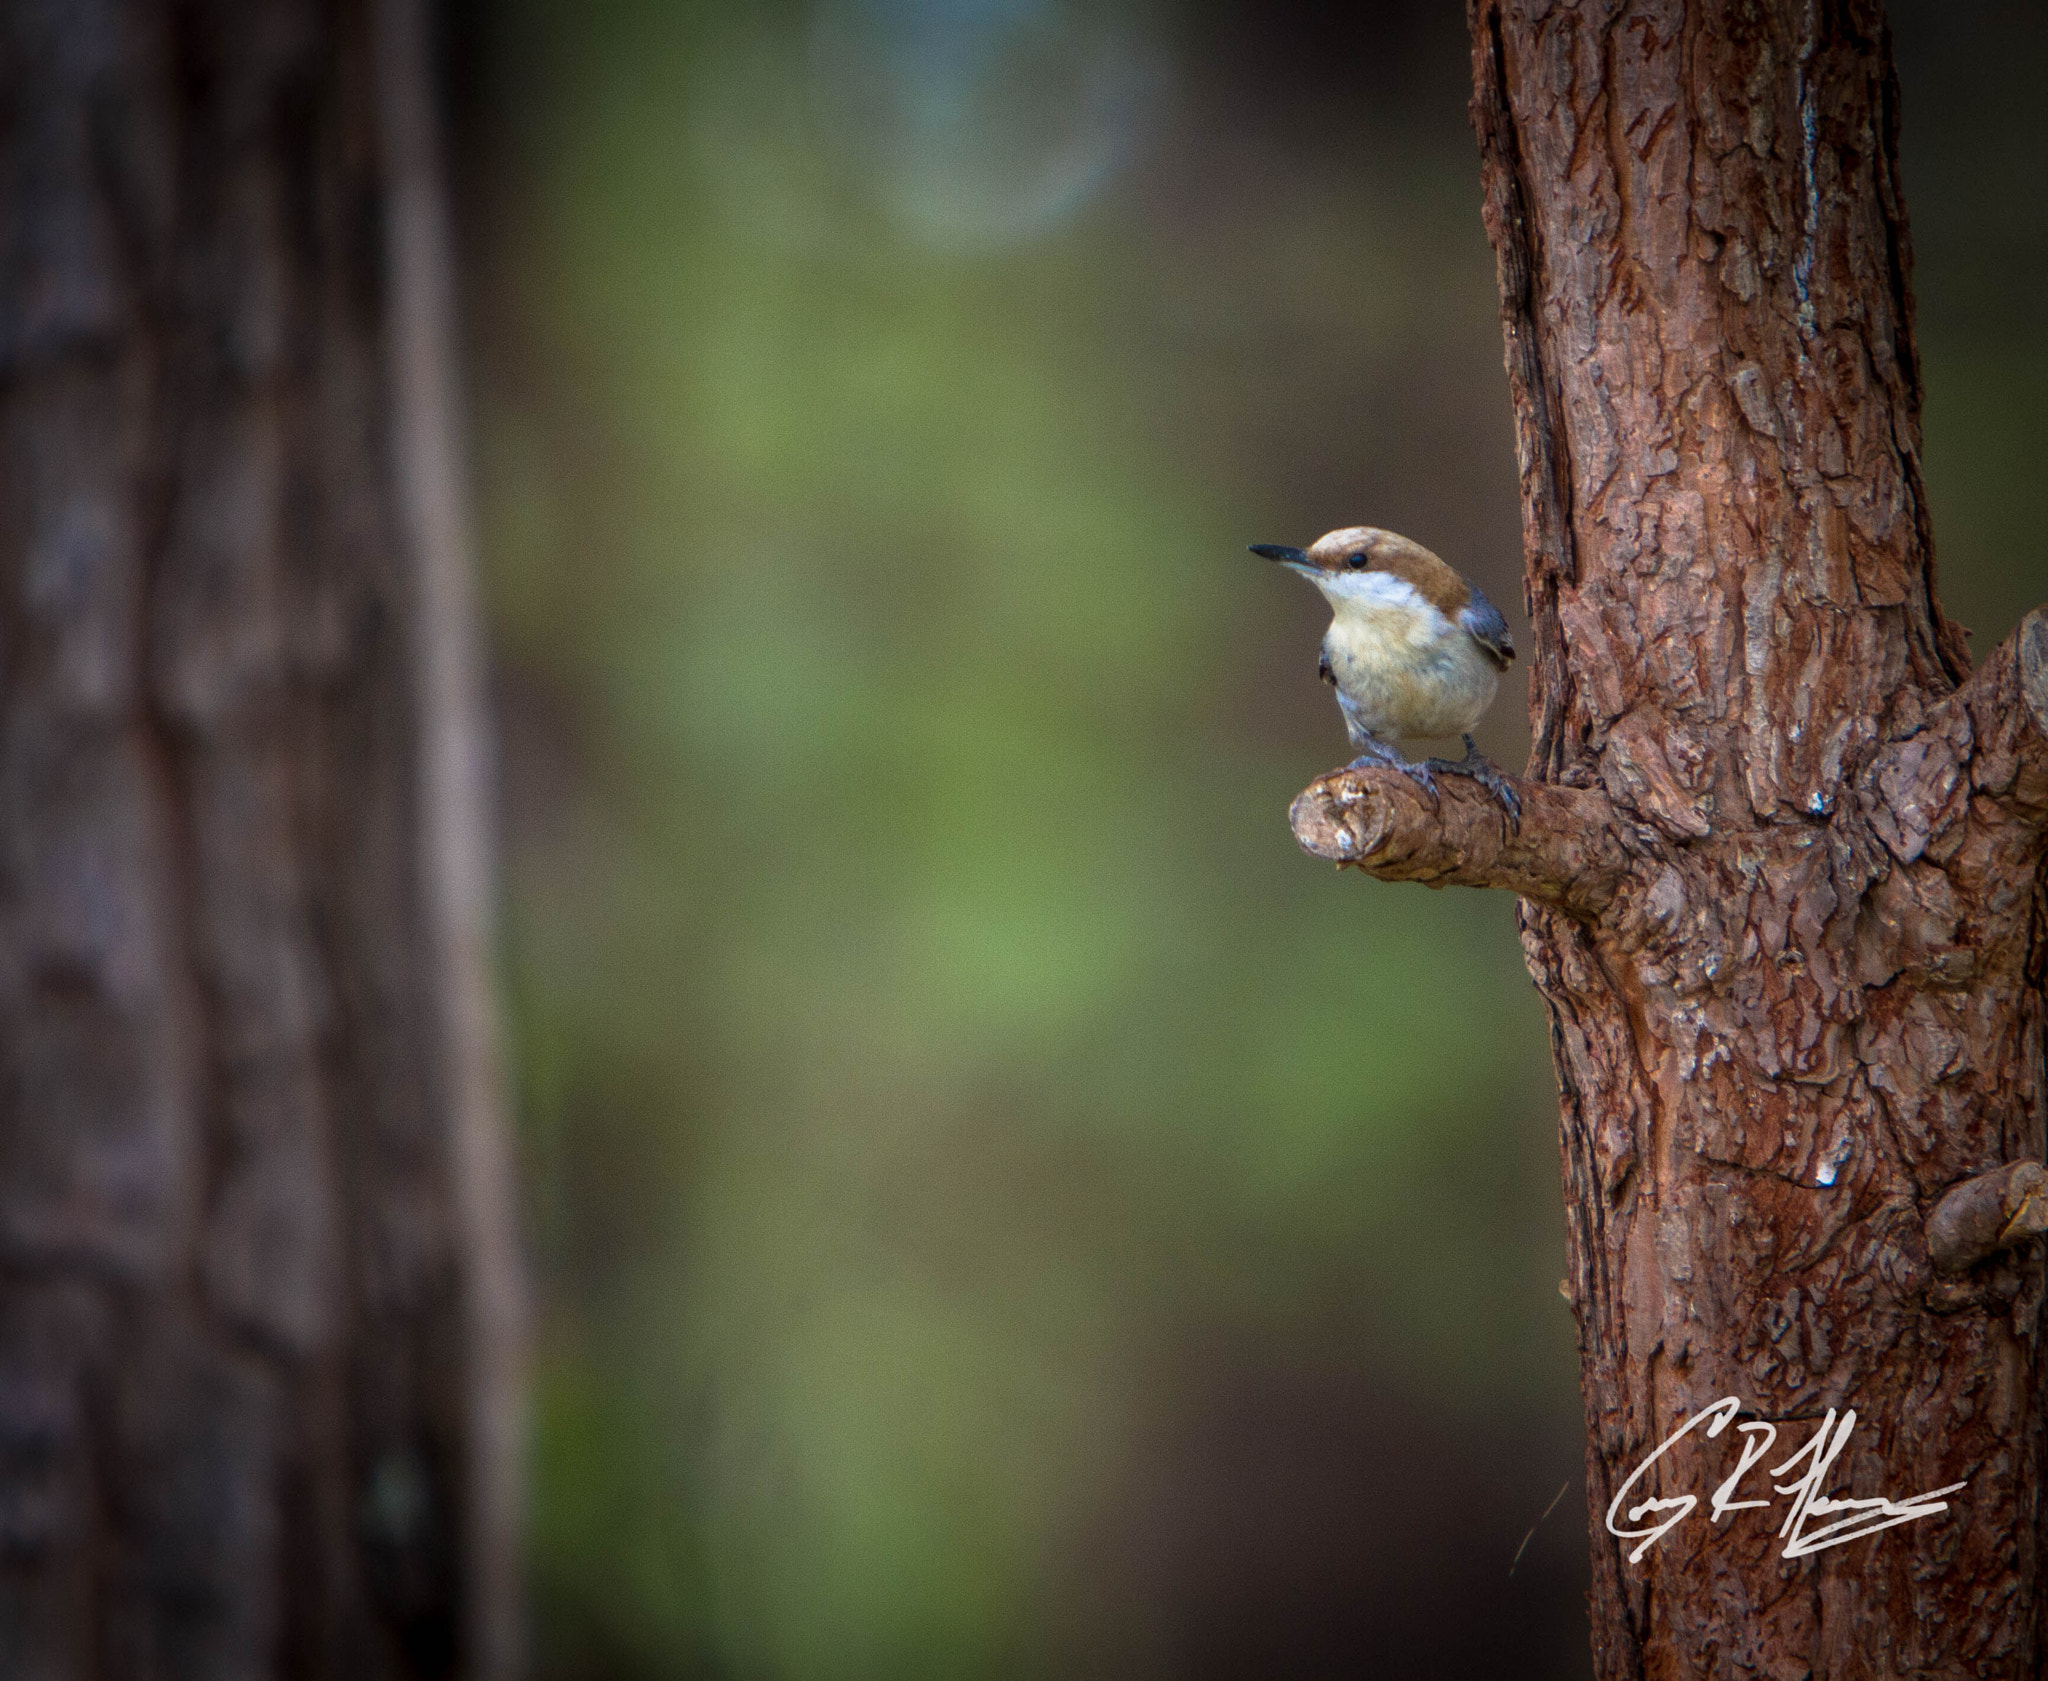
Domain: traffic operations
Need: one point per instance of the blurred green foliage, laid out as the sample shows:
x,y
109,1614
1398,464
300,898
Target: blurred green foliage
x,y
927,1031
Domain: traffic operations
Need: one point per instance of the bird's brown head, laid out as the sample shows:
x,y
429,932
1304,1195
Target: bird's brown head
x,y
1366,548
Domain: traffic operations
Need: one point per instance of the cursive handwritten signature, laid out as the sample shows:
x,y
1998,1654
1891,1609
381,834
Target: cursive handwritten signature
x,y
1863,1517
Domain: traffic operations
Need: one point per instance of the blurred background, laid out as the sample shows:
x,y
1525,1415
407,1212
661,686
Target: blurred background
x,y
998,1209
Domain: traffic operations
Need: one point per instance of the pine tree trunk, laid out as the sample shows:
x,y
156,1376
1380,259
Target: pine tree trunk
x,y
1781,857
242,1365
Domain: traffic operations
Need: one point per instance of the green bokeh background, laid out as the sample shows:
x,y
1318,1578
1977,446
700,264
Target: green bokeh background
x,y
997,1208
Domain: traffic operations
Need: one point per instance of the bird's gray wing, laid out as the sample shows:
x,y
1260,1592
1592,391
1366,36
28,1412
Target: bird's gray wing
x,y
1483,622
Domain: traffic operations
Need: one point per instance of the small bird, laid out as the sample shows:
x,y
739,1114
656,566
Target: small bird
x,y
1412,649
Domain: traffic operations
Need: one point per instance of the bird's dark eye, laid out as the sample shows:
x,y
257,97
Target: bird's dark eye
x,y
1359,562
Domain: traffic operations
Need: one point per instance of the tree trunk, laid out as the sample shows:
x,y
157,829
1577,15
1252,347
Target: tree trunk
x,y
1781,853
256,1292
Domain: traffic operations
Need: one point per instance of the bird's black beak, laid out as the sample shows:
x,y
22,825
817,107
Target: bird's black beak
x,y
1282,553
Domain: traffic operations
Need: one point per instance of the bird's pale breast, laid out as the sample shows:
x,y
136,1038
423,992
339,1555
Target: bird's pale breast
x,y
1406,669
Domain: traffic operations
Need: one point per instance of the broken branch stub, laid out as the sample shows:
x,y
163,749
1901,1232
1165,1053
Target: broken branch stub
x,y
1997,1210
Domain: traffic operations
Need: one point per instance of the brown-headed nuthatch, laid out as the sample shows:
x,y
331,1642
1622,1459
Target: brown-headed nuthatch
x,y
1412,648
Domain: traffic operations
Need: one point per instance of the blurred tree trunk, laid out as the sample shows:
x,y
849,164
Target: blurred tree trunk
x,y
1781,851
258,1309
1818,1006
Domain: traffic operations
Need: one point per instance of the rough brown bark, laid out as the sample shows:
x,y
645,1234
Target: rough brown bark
x,y
1782,854
236,1345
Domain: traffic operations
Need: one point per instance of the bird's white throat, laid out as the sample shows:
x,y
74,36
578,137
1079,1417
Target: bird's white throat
x,y
1378,612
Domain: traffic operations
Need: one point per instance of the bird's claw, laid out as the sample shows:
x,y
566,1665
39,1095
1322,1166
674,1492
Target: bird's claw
x,y
1419,774
1488,775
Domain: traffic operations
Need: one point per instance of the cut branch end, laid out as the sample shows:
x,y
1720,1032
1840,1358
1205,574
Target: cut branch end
x,y
2032,641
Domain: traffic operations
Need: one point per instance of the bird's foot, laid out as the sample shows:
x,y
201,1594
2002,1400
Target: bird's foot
x,y
1378,753
1488,775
